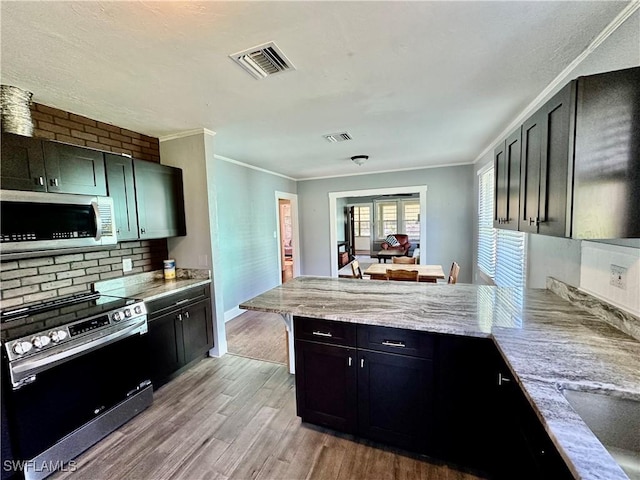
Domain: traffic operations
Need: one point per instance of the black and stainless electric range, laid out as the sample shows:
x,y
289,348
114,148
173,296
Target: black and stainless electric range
x,y
73,370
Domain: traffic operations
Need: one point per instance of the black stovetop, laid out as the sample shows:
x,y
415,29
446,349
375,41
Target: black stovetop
x,y
28,320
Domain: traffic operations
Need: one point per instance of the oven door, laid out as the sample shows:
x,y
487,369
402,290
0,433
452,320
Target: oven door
x,y
70,394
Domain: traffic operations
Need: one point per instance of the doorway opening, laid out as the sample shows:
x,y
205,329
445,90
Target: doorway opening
x,y
411,202
286,239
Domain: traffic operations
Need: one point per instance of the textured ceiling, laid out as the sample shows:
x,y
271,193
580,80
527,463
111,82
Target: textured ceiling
x,y
415,83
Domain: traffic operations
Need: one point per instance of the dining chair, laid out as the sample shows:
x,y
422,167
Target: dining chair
x,y
355,268
453,273
404,260
402,275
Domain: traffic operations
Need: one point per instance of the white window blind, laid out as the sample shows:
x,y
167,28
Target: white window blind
x,y
486,232
387,219
362,220
501,253
411,218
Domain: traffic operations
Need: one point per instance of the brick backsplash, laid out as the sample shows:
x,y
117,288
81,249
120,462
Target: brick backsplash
x,y
37,279
54,124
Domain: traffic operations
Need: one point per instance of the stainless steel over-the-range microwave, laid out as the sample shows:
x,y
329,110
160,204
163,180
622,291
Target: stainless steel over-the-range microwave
x,y
51,222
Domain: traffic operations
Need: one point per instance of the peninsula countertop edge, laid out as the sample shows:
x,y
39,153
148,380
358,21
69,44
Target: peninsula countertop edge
x,y
547,342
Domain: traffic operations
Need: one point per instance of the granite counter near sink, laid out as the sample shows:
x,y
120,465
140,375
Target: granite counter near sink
x,y
152,285
548,342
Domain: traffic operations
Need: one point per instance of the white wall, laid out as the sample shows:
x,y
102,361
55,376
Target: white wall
x,y
449,219
193,153
247,228
559,257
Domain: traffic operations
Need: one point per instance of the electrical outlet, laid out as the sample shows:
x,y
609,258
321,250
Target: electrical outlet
x,y
618,277
127,266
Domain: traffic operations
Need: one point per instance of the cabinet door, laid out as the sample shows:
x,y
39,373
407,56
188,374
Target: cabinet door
x,y
120,187
501,189
507,181
197,330
466,387
326,391
532,132
73,169
160,200
22,163
395,399
556,163
165,346
606,196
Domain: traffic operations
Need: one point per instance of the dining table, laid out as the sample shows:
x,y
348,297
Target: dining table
x,y
426,273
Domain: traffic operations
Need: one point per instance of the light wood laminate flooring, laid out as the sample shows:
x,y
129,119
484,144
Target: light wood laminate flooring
x,y
258,335
234,417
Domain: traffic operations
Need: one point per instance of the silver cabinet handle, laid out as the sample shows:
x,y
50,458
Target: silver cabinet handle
x,y
502,379
322,334
54,182
362,363
40,181
142,230
390,343
180,316
349,361
186,314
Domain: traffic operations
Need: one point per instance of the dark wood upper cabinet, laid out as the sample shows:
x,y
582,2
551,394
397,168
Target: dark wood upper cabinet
x,y
22,163
546,150
120,187
606,182
507,182
580,175
41,166
160,200
73,169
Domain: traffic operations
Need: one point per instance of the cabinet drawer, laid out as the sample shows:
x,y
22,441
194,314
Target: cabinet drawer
x,y
177,300
396,340
325,331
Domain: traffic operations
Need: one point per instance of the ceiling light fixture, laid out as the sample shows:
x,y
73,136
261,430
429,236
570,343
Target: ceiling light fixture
x,y
359,159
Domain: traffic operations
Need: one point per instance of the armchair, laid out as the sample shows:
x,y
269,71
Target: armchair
x,y
403,243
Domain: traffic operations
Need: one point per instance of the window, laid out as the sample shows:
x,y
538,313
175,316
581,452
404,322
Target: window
x,y
387,218
486,232
411,218
362,220
501,253
398,216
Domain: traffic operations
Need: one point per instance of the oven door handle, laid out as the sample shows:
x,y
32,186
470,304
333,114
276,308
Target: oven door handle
x,y
23,372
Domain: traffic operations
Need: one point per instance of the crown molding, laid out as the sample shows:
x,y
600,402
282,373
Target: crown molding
x,y
562,77
252,167
187,133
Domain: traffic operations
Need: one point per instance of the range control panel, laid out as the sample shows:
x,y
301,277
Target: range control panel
x,y
64,334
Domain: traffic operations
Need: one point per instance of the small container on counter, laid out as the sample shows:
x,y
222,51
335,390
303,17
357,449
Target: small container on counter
x,y
169,269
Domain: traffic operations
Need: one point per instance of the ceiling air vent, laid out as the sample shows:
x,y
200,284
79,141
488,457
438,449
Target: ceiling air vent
x,y
263,61
337,137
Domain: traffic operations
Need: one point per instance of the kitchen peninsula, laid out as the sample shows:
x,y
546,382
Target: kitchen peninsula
x,y
547,342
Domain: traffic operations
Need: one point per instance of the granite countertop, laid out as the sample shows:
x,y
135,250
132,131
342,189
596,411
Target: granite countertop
x,y
548,342
152,285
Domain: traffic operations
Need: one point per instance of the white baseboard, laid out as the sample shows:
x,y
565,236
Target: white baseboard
x,y
233,313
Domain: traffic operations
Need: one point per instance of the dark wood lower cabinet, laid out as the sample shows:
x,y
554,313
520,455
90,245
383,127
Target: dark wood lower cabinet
x,y
395,397
326,385
460,404
178,335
